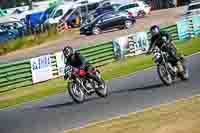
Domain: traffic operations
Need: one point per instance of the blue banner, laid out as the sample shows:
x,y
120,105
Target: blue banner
x,y
196,24
183,29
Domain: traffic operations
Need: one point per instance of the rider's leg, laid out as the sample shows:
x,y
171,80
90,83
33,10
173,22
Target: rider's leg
x,y
94,77
173,53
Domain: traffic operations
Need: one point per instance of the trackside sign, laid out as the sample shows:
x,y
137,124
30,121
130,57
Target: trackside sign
x,y
41,68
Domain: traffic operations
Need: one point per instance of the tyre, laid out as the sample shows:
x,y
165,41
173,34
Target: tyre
x,y
102,91
128,24
76,92
185,75
141,14
96,30
164,75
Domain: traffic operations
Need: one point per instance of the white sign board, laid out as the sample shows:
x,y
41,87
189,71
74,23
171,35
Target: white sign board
x,y
131,45
60,63
41,69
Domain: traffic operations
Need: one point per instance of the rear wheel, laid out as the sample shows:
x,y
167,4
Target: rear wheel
x,y
185,74
76,92
164,75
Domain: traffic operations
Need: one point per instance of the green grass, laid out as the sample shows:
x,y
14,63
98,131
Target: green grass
x,y
113,70
34,92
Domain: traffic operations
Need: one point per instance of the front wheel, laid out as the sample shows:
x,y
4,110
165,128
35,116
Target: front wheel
x,y
164,75
185,74
76,92
102,90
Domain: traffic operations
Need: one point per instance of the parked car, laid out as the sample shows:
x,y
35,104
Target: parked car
x,y
106,7
58,13
193,8
5,35
108,21
65,11
134,8
11,30
76,15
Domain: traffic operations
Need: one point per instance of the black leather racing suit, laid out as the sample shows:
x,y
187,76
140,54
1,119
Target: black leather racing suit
x,y
163,41
78,61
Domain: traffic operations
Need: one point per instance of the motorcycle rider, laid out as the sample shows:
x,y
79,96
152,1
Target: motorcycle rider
x,y
163,41
77,61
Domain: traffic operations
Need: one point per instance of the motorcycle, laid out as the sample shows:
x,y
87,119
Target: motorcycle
x,y
79,86
166,71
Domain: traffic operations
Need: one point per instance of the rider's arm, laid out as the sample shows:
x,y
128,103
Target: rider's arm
x,y
167,35
65,70
150,46
83,59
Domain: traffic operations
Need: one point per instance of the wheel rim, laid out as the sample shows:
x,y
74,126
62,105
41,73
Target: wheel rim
x,y
141,14
165,74
103,88
96,30
77,92
128,24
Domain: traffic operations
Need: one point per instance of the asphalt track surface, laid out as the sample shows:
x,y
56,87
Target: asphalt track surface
x,y
128,94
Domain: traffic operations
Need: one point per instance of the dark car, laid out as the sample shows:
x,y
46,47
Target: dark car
x,y
108,21
103,9
11,30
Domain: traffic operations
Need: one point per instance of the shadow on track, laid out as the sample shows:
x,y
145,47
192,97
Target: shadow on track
x,y
93,98
150,87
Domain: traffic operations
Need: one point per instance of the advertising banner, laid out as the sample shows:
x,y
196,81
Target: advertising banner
x,y
41,68
60,63
141,43
196,24
131,45
183,29
119,45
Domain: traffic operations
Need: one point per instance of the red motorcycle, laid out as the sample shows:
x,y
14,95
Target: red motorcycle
x,y
80,86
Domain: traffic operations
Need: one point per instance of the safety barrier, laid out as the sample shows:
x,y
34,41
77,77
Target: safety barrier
x,y
100,54
15,75
19,74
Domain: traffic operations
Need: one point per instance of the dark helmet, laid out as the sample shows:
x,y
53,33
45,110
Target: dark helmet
x,y
68,51
154,30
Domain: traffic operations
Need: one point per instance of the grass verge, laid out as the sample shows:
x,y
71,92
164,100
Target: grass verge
x,y
113,70
32,40
179,117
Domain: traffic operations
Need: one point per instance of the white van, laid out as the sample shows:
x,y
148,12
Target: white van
x,y
61,10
